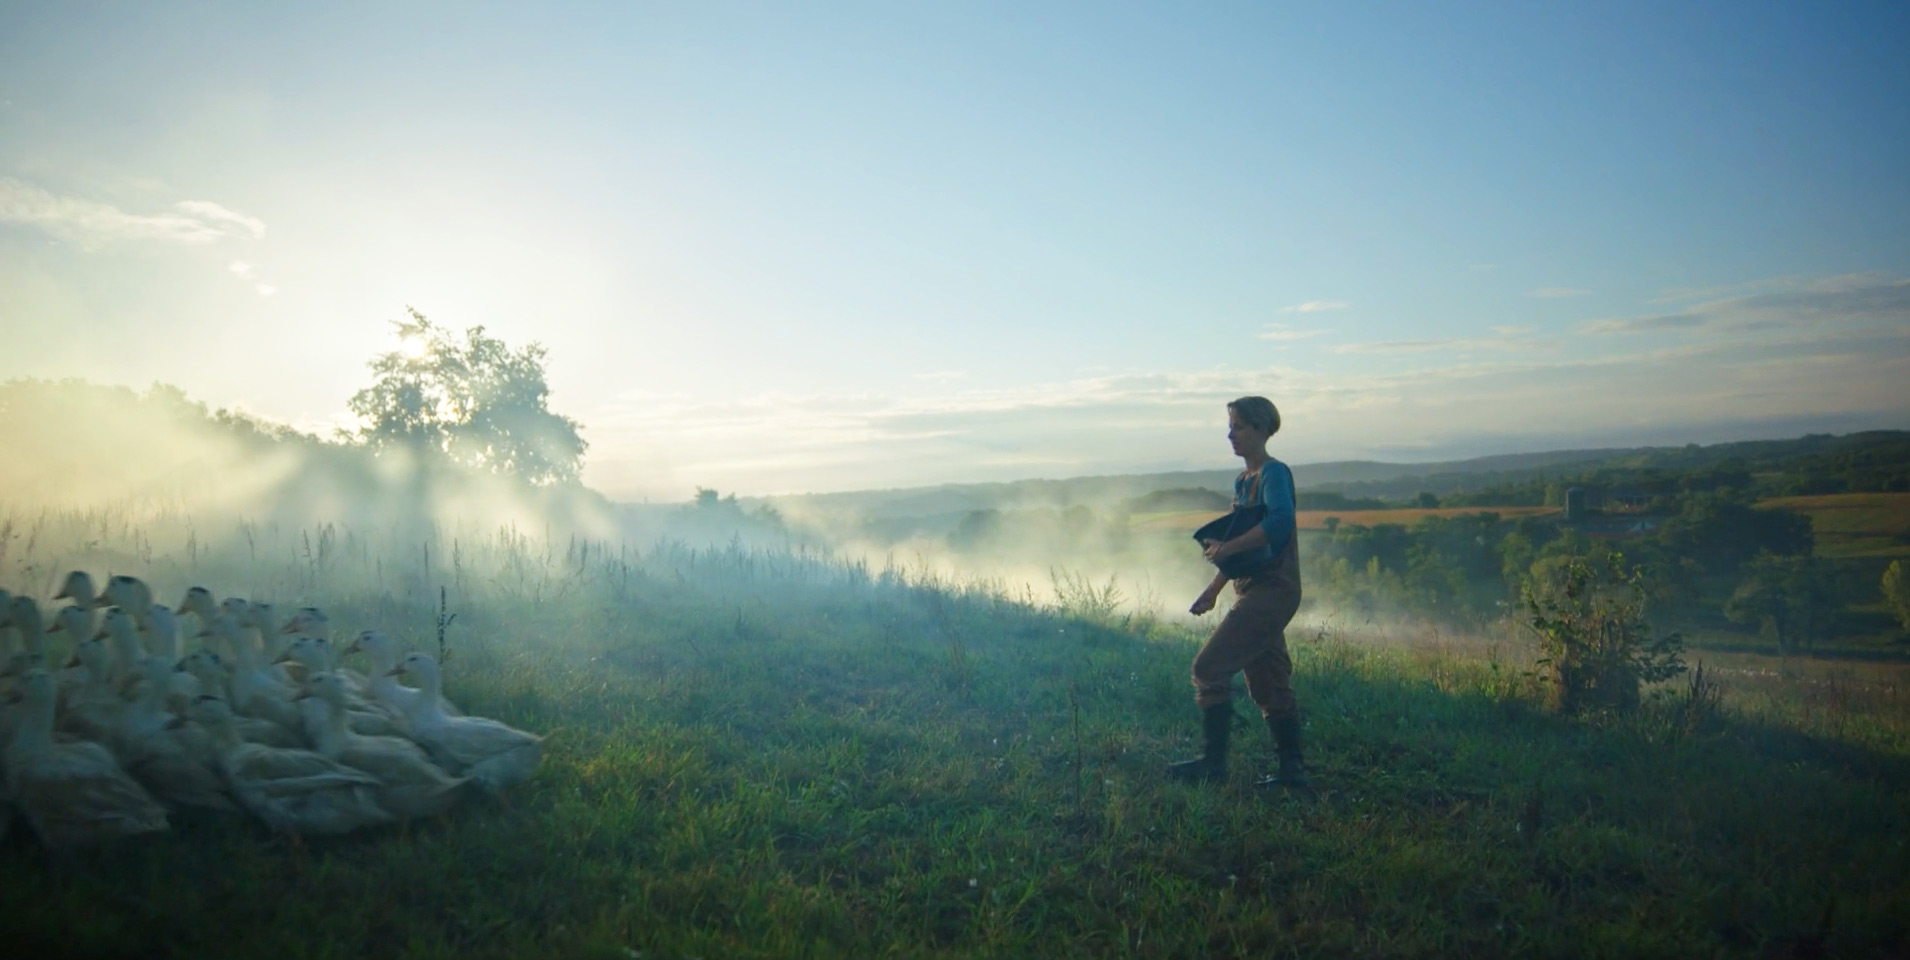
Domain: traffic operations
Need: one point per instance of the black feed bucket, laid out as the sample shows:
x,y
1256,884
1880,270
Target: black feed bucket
x,y
1230,526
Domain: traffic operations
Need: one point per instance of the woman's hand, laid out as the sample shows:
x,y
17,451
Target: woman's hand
x,y
1204,602
1216,549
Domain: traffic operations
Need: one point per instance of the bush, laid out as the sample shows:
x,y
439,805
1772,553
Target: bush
x,y
1597,648
1896,590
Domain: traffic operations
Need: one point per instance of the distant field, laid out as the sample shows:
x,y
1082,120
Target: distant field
x,y
1855,524
1847,524
1316,519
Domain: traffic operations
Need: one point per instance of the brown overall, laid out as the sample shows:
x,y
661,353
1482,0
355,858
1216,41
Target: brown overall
x,y
1252,637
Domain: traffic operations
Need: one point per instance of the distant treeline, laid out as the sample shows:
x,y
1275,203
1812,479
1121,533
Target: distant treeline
x,y
1475,565
1871,462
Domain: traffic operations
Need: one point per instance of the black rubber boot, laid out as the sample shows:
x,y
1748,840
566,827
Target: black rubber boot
x,y
1286,744
1216,723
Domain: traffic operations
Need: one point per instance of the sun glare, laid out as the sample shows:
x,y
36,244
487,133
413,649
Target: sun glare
x,y
412,347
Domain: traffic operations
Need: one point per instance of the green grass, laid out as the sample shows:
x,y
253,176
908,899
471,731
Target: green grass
x,y
1855,525
760,754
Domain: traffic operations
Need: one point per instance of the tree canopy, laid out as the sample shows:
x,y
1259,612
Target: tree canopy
x,y
1796,598
470,399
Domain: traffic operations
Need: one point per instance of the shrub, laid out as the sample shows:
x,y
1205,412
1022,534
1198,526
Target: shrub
x,y
1896,590
1596,647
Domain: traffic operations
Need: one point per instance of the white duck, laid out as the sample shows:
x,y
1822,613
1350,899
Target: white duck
x,y
177,763
162,639
385,688
255,692
491,753
78,587
93,708
413,785
292,791
71,793
12,663
259,622
364,716
74,624
198,602
213,677
129,655
9,634
311,622
162,632
129,594
210,670
25,617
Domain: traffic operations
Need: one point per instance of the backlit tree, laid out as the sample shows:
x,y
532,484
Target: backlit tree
x,y
468,399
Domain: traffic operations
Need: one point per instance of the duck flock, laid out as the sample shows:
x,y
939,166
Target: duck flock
x,y
259,719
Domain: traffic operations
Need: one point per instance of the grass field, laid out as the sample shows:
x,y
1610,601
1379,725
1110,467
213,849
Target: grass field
x,y
1875,525
756,753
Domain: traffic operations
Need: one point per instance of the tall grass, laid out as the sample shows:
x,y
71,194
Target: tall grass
x,y
770,751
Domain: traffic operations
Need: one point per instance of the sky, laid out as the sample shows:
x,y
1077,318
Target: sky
x,y
779,248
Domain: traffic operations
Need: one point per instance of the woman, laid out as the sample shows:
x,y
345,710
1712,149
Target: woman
x,y
1252,637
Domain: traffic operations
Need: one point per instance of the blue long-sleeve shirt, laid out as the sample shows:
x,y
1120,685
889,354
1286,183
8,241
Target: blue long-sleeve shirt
x,y
1276,494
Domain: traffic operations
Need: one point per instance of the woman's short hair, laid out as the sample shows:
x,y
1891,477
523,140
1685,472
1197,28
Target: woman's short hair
x,y
1258,413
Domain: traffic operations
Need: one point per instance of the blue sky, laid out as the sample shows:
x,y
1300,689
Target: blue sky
x,y
778,247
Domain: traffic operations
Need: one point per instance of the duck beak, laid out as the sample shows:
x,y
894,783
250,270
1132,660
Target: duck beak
x,y
71,662
353,647
304,693
283,658
101,635
176,723
397,671
288,628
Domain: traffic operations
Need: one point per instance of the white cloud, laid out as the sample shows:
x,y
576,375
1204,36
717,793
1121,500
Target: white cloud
x,y
1283,333
240,268
1317,306
1850,301
1513,331
1557,293
190,222
941,376
1513,339
1397,346
266,289
1766,285
214,213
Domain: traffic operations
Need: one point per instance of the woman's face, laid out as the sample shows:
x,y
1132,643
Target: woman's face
x,y
1243,435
